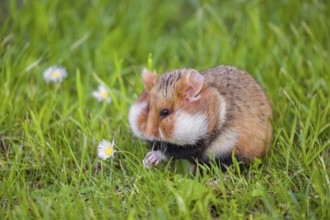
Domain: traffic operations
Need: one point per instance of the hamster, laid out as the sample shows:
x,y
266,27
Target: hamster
x,y
185,114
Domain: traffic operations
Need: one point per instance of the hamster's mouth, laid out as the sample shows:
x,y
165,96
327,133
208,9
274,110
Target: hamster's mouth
x,y
152,138
162,136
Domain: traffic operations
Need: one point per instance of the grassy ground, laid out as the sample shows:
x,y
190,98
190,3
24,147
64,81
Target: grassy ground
x,y
49,132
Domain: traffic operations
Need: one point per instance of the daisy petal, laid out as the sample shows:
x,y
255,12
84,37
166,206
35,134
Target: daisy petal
x,y
102,94
105,149
54,74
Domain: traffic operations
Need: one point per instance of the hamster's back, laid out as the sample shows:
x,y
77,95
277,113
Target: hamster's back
x,y
247,108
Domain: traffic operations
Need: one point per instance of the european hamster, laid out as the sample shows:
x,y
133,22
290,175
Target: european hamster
x,y
184,114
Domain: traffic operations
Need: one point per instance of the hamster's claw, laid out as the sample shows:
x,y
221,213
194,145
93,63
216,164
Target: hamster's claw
x,y
152,158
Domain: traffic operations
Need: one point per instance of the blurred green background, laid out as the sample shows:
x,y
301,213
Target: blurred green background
x,y
49,132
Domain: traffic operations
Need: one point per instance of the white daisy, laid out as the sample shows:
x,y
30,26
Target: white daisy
x,y
102,94
105,149
55,74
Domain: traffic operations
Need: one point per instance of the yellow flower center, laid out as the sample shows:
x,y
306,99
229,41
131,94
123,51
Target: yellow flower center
x,y
104,94
55,75
108,151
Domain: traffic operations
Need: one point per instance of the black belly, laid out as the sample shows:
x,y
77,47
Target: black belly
x,y
192,153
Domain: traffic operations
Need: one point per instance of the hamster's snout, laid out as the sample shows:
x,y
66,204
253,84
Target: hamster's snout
x,y
151,132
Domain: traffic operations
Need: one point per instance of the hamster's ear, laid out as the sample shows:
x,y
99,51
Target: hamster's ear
x,y
149,79
194,82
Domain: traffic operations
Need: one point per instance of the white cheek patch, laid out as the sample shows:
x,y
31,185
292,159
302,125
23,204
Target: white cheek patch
x,y
223,144
188,128
133,117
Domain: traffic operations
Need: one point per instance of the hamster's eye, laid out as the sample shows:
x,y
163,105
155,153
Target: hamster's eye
x,y
163,113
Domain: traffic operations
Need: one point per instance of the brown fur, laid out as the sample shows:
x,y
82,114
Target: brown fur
x,y
248,109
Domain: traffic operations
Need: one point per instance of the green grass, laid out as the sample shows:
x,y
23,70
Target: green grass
x,y
49,132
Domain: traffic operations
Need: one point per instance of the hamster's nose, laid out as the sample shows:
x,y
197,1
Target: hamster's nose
x,y
152,134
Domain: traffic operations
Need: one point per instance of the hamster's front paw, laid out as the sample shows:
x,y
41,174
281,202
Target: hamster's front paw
x,y
152,158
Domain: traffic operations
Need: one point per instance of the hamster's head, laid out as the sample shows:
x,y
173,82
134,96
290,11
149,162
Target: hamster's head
x,y
170,108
